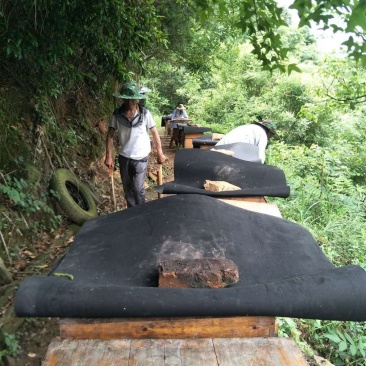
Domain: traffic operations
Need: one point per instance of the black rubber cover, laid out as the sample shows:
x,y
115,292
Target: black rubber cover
x,y
193,166
113,261
195,129
204,140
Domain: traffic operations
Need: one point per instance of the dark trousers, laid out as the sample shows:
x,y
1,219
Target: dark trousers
x,y
133,175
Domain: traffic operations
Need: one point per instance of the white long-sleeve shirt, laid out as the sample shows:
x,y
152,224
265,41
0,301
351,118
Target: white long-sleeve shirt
x,y
179,113
251,134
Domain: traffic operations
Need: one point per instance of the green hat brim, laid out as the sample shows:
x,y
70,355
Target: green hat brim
x,y
118,95
266,127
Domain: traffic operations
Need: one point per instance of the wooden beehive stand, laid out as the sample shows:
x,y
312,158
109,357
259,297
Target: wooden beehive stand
x,y
240,340
176,133
188,139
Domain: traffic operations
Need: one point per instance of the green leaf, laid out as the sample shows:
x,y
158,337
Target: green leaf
x,y
341,335
350,340
292,67
360,348
342,346
353,350
357,18
333,337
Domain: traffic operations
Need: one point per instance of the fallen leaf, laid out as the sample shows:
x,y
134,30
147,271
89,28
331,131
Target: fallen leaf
x,y
29,254
42,266
20,265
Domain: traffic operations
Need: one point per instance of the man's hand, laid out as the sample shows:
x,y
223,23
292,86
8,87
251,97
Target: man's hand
x,y
109,161
161,158
109,148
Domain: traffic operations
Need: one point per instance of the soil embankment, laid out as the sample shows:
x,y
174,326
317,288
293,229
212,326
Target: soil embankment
x,y
34,335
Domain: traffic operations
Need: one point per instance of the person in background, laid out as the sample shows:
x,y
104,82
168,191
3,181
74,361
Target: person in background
x,y
179,112
133,123
256,133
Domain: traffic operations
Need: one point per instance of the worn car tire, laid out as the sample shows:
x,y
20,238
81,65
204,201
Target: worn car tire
x,y
75,198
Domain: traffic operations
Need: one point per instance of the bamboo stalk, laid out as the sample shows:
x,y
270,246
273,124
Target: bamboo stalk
x,y
160,178
5,246
12,222
25,221
48,155
113,192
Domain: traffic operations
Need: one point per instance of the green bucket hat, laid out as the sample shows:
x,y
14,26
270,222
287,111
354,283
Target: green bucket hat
x,y
129,91
268,125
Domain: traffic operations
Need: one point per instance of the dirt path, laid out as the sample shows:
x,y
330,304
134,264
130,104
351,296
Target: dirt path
x,y
35,334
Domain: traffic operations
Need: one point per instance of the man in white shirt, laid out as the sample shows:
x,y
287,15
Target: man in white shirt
x,y
133,124
256,133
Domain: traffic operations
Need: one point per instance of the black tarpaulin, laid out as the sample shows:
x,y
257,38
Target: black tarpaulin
x,y
195,129
205,140
114,258
192,167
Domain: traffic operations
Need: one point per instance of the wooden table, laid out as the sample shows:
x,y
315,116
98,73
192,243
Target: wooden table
x,y
173,352
193,132
225,341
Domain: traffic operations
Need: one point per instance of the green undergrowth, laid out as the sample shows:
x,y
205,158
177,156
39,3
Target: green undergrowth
x,y
11,347
327,201
39,135
15,129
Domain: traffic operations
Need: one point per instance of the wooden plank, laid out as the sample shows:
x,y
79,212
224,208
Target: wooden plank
x,y
116,352
175,328
217,136
198,352
193,135
60,352
188,143
176,352
88,352
188,139
206,147
266,208
148,352
259,351
248,198
172,354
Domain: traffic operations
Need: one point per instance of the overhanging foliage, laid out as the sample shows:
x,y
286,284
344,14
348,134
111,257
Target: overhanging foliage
x,y
260,20
47,45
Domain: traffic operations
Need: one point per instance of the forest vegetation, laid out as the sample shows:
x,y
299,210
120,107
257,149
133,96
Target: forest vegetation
x,y
230,62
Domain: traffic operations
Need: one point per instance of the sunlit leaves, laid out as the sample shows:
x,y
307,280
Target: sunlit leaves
x,y
260,20
357,17
292,67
